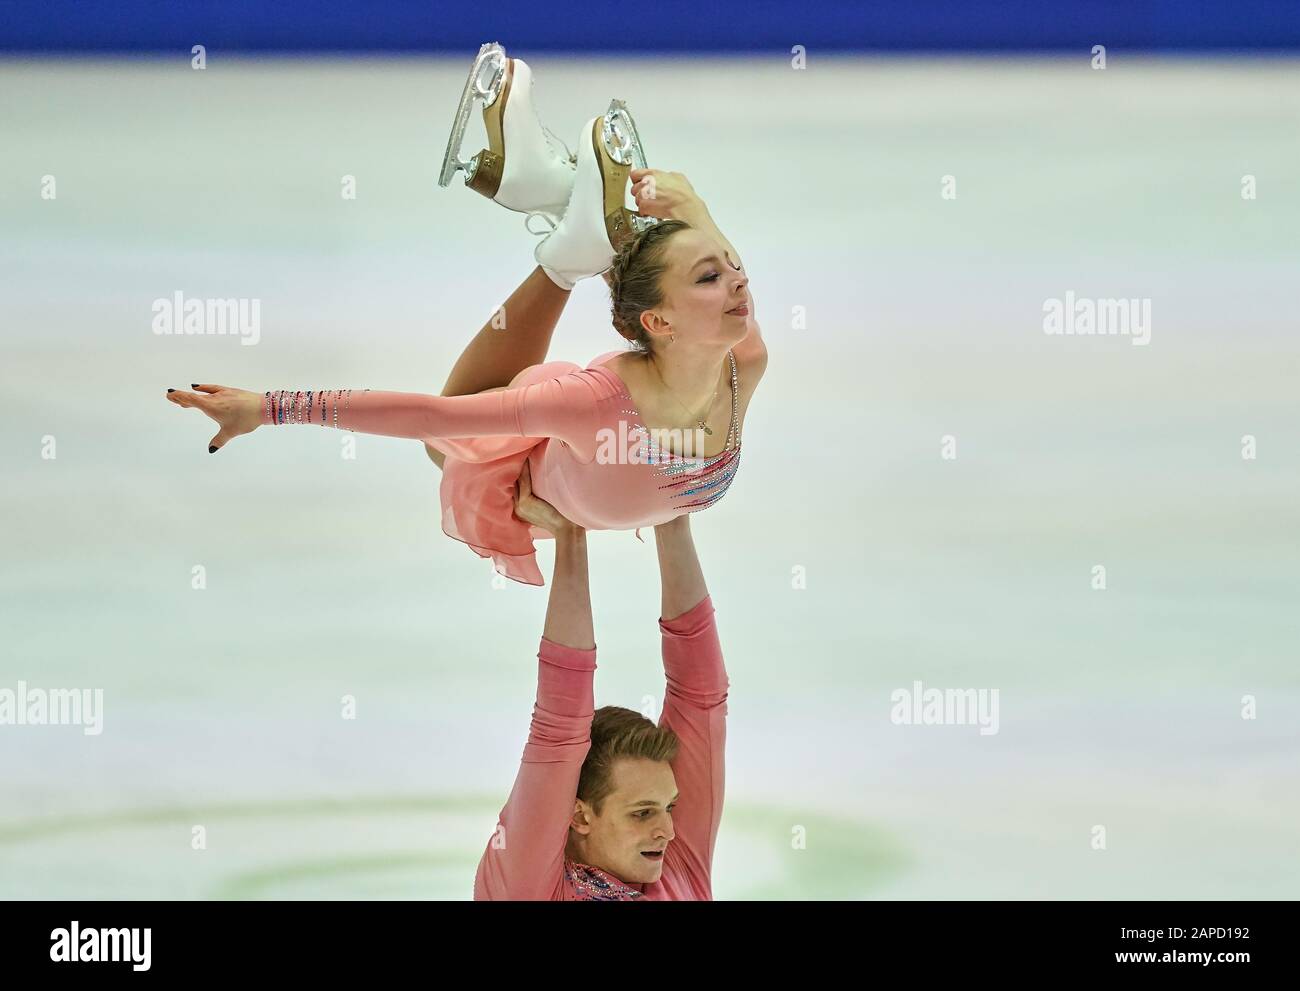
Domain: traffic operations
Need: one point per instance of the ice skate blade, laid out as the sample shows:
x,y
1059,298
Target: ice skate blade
x,y
489,164
484,83
618,150
622,141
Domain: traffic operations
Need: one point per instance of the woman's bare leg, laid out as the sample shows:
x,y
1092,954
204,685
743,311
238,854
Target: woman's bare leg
x,y
518,335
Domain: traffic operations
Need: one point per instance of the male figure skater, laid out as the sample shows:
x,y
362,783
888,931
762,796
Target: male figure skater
x,y
607,806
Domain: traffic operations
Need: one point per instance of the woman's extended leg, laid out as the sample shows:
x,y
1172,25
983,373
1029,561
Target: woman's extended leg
x,y
517,336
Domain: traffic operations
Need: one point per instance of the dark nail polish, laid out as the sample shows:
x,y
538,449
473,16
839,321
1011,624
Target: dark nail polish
x,y
212,449
171,390
194,385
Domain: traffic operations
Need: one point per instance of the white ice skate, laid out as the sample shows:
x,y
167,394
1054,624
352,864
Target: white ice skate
x,y
596,220
524,168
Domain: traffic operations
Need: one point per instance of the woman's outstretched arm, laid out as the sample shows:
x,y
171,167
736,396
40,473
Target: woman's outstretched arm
x,y
559,407
525,857
695,701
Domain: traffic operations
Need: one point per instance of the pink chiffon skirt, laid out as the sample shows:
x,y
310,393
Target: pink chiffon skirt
x,y
478,489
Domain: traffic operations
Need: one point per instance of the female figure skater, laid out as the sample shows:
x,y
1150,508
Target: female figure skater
x,y
608,806
601,441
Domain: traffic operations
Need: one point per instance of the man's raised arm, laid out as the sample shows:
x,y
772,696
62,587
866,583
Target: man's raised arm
x,y
695,702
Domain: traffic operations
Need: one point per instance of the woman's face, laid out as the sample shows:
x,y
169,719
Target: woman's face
x,y
630,836
701,293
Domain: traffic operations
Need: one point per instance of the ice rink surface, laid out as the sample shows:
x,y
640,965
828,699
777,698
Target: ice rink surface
x,y
850,558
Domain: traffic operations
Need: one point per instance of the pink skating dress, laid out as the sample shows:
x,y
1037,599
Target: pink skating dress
x,y
590,455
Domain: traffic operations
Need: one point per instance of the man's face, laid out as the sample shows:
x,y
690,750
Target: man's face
x,y
629,837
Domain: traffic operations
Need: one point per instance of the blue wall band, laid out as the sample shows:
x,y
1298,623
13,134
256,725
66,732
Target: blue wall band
x,y
55,26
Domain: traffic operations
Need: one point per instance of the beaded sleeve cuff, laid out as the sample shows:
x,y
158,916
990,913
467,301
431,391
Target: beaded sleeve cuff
x,y
323,407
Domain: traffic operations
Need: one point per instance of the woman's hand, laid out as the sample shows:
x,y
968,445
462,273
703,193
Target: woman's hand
x,y
536,511
667,195
670,196
236,411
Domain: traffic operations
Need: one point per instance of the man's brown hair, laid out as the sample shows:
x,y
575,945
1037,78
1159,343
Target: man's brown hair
x,y
616,734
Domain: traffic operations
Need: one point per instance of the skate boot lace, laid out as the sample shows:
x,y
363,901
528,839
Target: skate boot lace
x,y
553,139
543,216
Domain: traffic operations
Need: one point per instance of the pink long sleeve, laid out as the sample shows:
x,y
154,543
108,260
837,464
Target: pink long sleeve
x,y
525,857
695,708
558,407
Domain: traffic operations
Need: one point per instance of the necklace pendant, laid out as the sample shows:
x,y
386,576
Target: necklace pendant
x,y
705,428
